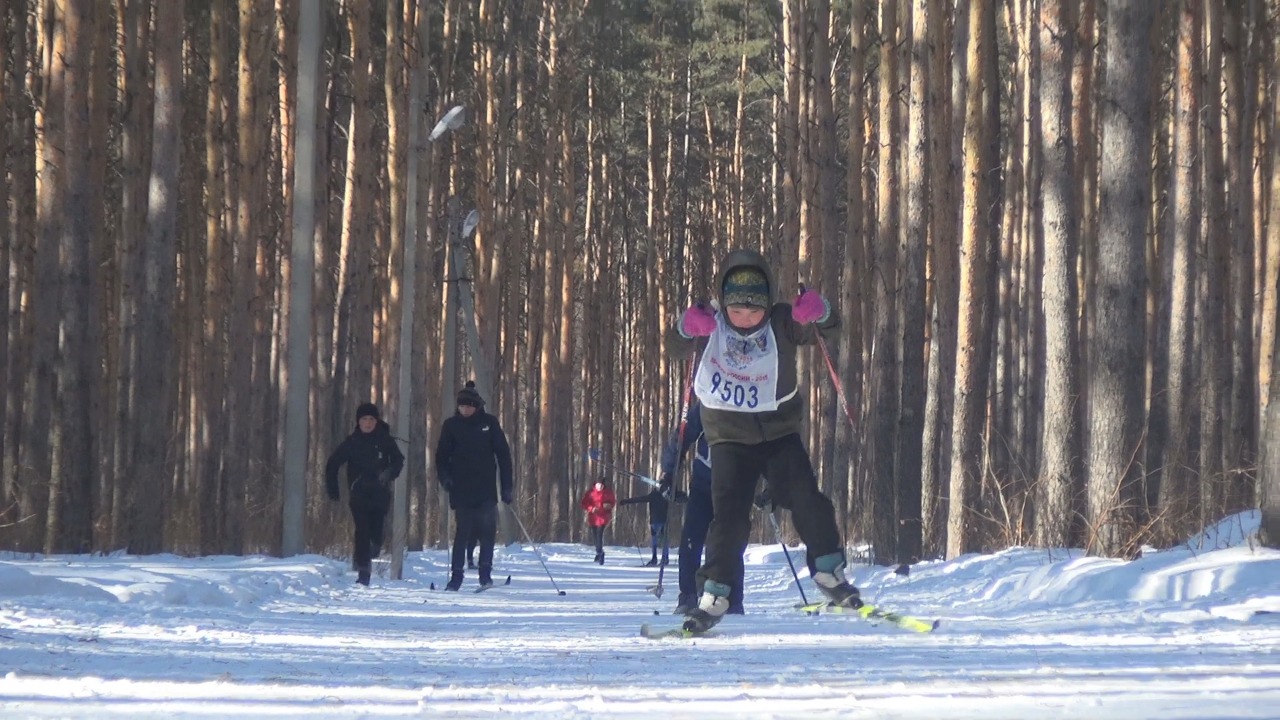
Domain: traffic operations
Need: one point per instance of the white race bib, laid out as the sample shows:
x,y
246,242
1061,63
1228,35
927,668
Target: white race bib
x,y
739,372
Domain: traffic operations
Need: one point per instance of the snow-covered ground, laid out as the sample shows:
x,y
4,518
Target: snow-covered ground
x,y
1192,632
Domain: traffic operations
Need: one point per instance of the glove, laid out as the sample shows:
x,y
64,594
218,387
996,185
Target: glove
x,y
809,307
385,478
664,485
506,497
697,321
682,496
764,501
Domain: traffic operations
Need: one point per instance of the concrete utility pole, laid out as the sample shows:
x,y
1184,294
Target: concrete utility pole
x,y
302,267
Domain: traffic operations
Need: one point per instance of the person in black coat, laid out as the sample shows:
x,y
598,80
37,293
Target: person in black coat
x,y
471,453
373,461
657,503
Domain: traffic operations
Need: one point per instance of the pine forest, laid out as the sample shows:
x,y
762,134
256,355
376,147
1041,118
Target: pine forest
x,y
1051,229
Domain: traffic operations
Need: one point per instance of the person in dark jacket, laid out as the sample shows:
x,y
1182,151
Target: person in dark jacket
x,y
472,457
752,413
657,502
373,461
698,511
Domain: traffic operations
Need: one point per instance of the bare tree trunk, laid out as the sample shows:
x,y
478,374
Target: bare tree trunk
x,y
70,525
1169,435
974,344
1269,470
940,390
1240,74
154,442
1060,466
9,325
1215,379
213,386
911,304
1118,377
36,496
851,282
884,378
135,159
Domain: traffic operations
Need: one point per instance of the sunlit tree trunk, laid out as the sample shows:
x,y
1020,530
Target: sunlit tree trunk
x,y
1169,434
154,443
973,339
884,377
1060,463
70,525
945,271
911,304
1215,368
1117,378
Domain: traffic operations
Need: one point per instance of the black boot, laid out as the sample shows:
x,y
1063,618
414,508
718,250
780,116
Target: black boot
x,y
362,577
652,562
455,582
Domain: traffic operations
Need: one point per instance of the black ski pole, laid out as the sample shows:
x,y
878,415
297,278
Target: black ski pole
x,y
777,534
534,545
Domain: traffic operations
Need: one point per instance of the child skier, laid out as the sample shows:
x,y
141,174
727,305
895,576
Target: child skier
x,y
752,414
373,461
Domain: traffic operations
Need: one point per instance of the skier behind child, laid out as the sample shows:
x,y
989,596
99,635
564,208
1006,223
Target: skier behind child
x,y
373,461
752,414
598,502
697,512
657,501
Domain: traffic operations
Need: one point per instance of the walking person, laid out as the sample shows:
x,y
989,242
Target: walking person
x,y
657,501
752,414
598,502
472,459
698,511
373,461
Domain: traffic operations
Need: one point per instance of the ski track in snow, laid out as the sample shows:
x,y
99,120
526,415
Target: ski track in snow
x,y
1185,633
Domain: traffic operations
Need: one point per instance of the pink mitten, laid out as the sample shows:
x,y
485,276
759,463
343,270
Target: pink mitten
x,y
697,321
809,307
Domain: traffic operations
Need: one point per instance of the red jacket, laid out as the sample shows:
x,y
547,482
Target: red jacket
x,y
599,506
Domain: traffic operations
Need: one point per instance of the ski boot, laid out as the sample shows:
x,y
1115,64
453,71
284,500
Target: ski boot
x,y
712,606
363,571
829,576
599,558
685,603
455,583
652,563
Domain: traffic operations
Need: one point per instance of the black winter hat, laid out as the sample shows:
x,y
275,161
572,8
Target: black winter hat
x,y
470,396
367,409
746,286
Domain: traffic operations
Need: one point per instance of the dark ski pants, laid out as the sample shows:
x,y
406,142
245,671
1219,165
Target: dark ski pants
x,y
656,531
368,511
792,485
697,519
479,523
597,536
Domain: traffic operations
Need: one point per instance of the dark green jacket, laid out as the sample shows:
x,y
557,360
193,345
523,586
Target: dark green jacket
x,y
723,426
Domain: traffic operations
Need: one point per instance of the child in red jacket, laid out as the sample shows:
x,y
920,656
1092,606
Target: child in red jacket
x,y
599,503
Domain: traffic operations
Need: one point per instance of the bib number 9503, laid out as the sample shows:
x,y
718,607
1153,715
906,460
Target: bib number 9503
x,y
734,393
